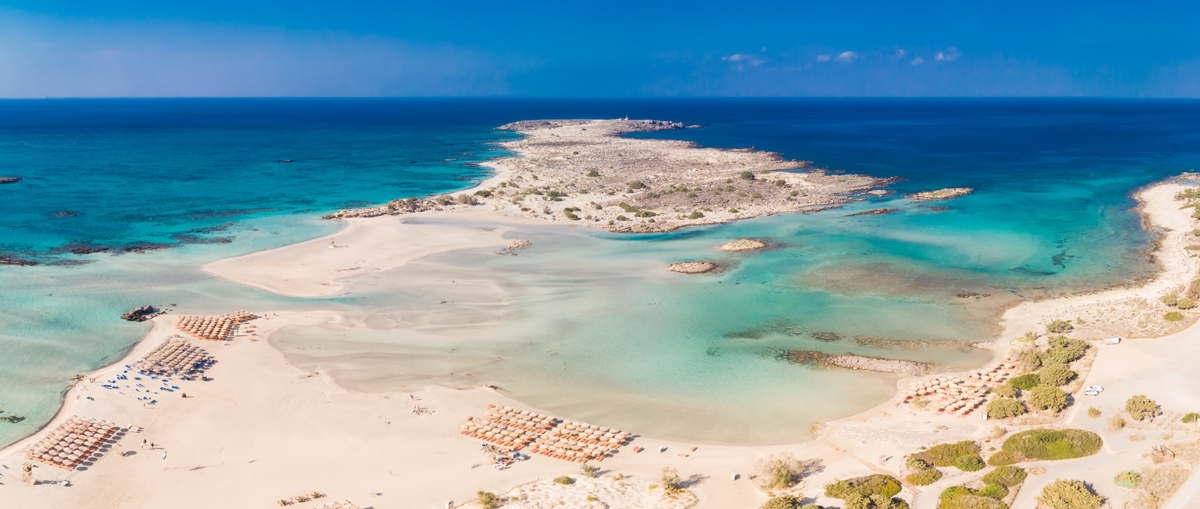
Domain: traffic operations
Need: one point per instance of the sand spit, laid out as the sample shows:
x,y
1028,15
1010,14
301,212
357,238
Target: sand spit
x,y
940,194
740,245
694,267
583,172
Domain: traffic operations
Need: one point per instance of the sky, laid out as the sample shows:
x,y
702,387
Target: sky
x,y
255,48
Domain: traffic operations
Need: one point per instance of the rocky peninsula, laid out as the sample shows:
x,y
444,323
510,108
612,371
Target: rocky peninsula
x,y
940,194
584,172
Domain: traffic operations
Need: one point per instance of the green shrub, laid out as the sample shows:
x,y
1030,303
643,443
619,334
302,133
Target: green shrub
x,y
696,215
627,207
914,464
1056,375
1045,397
1003,408
622,218
670,480
1029,359
1170,299
487,499
1007,476
1064,350
590,471
593,173
1116,423
1185,303
812,506
1173,316
970,463
637,184
995,491
1094,412
1026,382
866,486
780,471
924,477
1048,444
856,501
1002,458
962,497
564,480
782,502
1006,391
1059,327
1128,479
746,175
1142,408
1065,494
1190,418
945,455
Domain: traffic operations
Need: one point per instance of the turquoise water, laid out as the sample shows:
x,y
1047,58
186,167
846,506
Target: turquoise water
x,y
585,323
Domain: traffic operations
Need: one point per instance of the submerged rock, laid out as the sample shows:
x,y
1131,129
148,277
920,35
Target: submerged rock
x,y
875,212
12,260
141,314
513,246
856,362
10,180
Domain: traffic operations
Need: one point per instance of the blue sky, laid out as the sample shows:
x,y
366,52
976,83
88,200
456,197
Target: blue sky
x,y
71,48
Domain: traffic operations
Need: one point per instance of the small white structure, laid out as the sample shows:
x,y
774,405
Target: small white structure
x,y
1112,340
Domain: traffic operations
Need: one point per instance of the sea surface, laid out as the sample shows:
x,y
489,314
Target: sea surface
x,y
585,323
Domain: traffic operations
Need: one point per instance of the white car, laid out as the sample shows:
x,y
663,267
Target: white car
x,y
1091,392
1096,388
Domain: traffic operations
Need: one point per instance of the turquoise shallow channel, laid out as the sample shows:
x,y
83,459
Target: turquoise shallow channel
x,y
586,324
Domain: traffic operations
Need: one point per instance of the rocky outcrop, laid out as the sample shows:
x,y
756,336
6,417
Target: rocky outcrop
x,y
12,260
10,180
513,246
874,212
940,194
744,245
394,207
141,314
694,267
856,362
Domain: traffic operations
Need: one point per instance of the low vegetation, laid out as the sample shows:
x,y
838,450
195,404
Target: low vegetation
x,y
1068,494
783,502
947,455
962,497
1094,412
1006,391
1190,418
564,480
1026,382
1128,479
866,486
1117,423
1064,350
1046,444
1007,476
970,463
1142,408
590,471
924,476
1173,316
670,480
1059,327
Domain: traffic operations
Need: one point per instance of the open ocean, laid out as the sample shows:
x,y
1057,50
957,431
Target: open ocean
x,y
190,181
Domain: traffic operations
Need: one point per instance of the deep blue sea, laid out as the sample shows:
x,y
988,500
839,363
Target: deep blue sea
x,y
178,183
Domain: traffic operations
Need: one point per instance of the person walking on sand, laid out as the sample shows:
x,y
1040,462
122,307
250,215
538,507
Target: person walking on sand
x,y
450,505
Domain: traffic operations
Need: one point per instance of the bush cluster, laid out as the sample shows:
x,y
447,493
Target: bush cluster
x,y
1026,382
970,463
1056,375
1142,408
1059,327
866,486
1045,397
1064,350
783,502
1047,444
946,455
1006,391
1066,494
962,497
1190,417
924,477
1007,476
1003,408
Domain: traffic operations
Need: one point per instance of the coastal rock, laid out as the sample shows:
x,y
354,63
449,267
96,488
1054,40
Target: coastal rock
x,y
65,214
856,362
141,314
940,194
693,267
12,260
875,212
744,245
513,246
11,180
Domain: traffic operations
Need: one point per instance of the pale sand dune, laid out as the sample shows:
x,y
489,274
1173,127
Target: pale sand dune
x,y
265,430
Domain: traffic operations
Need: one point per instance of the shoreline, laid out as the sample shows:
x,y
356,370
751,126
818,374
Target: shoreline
x,y
842,443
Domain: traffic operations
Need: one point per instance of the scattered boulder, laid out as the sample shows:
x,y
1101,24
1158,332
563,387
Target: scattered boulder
x,y
141,314
513,246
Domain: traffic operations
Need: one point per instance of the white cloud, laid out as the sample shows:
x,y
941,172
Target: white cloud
x,y
918,61
735,58
822,58
951,53
847,56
